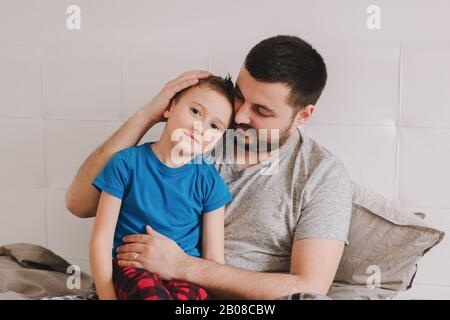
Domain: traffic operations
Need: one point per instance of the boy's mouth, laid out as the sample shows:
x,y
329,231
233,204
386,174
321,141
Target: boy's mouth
x,y
191,136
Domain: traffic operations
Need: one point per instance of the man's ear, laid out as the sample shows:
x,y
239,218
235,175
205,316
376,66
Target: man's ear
x,y
304,114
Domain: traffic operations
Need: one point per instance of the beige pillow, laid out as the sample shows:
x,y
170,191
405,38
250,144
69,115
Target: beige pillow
x,y
385,237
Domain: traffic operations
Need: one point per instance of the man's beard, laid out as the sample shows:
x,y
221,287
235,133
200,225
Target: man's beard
x,y
258,143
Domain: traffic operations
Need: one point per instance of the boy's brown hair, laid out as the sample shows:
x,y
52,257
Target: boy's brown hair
x,y
224,86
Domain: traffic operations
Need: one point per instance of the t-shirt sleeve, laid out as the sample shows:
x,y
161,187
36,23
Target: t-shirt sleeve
x,y
214,189
113,178
327,205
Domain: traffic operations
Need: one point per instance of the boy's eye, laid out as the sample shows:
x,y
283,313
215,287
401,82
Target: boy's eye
x,y
214,126
195,111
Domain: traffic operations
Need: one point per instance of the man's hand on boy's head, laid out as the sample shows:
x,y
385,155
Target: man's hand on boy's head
x,y
153,252
162,100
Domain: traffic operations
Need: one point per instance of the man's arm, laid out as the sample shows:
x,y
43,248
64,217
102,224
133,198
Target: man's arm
x,y
82,198
313,266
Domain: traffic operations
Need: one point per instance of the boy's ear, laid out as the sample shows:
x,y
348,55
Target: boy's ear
x,y
166,113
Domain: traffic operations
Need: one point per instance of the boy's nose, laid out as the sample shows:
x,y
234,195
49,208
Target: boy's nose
x,y
198,127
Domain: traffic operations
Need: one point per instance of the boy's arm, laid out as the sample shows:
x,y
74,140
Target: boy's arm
x,y
213,235
101,245
81,197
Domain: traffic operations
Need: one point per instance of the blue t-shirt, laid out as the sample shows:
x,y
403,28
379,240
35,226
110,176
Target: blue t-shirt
x,y
170,200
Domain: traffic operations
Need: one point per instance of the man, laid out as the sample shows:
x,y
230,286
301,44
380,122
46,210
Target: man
x,y
284,232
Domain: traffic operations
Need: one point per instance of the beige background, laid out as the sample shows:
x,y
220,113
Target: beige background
x,y
385,111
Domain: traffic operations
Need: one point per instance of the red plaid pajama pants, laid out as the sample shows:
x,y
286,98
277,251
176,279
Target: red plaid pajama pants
x,y
133,283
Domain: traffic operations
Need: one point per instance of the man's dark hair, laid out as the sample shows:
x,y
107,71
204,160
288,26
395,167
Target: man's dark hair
x,y
224,86
292,61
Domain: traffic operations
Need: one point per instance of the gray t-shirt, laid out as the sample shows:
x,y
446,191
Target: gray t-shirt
x,y
304,192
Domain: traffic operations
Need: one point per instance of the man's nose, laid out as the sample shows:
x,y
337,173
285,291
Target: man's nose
x,y
242,115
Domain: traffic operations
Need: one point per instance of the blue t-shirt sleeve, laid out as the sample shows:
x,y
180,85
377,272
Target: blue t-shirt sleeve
x,y
215,191
113,178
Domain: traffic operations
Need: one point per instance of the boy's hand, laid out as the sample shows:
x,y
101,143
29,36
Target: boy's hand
x,y
161,102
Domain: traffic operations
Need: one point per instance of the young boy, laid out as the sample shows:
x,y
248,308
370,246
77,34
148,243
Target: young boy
x,y
168,186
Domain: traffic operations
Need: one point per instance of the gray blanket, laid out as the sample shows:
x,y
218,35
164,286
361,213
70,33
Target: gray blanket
x,y
29,271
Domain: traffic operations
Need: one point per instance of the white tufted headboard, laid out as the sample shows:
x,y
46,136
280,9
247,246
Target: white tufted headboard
x,y
385,110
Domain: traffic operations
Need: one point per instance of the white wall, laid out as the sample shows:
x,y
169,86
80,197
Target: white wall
x,y
385,111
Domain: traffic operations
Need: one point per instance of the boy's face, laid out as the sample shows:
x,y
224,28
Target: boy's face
x,y
198,119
